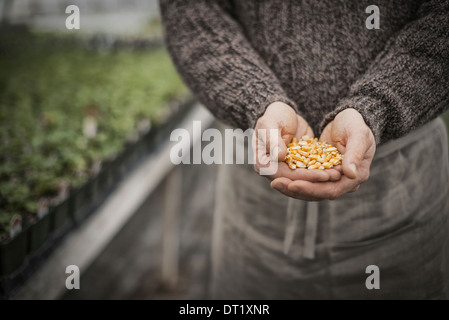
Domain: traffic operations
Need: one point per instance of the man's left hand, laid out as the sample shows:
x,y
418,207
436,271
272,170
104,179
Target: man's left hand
x,y
353,138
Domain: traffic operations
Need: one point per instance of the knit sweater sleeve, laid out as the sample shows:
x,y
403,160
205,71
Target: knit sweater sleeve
x,y
217,62
408,83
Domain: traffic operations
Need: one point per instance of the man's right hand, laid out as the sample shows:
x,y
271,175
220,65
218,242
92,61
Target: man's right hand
x,y
354,139
288,124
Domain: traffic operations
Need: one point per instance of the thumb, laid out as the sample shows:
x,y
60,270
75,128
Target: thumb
x,y
356,147
273,140
279,124
278,147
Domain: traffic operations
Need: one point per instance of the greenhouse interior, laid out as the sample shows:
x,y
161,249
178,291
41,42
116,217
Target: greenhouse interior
x,y
89,101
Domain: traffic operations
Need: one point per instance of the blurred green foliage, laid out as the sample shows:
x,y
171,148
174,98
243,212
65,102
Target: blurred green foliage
x,y
48,87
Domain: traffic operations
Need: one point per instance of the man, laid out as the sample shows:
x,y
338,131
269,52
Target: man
x,y
314,66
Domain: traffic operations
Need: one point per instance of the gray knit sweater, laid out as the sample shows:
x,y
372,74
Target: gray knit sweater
x,y
317,56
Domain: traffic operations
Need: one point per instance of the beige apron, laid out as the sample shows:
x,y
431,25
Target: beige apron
x,y
269,246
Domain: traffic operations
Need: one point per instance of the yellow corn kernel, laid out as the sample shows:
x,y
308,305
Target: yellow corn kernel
x,y
306,148
315,166
327,165
311,153
300,164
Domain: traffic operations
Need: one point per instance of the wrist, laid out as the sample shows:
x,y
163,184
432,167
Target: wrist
x,y
280,107
278,112
369,109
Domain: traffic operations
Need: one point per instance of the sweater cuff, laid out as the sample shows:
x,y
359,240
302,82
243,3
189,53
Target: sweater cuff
x,y
263,105
370,109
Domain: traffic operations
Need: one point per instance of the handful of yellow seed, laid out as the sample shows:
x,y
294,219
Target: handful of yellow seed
x,y
311,154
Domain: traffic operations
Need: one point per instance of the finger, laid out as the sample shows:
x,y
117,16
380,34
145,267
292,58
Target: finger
x,y
338,168
334,173
307,175
356,147
326,134
272,142
309,132
278,148
303,128
277,130
280,184
323,190
260,157
300,174
264,160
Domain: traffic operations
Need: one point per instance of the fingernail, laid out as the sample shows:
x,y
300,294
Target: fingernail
x,y
353,168
275,154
